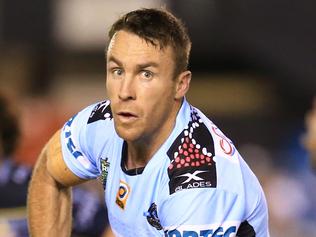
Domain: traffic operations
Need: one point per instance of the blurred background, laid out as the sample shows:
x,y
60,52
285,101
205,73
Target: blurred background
x,y
254,75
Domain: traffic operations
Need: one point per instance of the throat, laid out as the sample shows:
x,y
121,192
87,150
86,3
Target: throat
x,y
130,164
136,157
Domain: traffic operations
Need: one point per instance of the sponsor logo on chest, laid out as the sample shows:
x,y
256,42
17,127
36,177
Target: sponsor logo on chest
x,y
197,179
122,194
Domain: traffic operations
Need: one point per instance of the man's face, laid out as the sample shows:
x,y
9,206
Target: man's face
x,y
140,86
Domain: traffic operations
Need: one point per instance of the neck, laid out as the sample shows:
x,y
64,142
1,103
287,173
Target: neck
x,y
140,152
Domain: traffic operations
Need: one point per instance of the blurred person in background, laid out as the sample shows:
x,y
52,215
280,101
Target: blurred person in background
x,y
88,207
309,139
291,199
14,177
166,169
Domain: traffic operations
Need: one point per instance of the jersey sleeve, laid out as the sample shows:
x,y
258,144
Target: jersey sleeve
x,y
257,221
74,142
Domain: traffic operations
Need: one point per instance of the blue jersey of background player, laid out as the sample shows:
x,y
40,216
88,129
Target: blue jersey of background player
x,y
166,168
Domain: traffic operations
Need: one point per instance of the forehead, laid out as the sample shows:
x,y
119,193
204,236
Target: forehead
x,y
126,45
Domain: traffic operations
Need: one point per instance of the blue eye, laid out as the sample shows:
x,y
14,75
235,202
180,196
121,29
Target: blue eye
x,y
117,71
147,74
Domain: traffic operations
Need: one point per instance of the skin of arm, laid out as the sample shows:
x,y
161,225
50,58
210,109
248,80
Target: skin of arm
x,y
49,199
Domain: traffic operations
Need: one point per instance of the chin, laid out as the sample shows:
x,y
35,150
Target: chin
x,y
127,134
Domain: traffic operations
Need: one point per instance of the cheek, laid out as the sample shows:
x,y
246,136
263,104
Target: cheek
x,y
107,86
159,89
159,105
110,88
161,98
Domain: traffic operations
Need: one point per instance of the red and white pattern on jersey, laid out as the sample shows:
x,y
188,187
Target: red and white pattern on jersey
x,y
191,155
190,152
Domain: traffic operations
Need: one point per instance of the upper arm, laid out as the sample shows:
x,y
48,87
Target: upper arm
x,y
72,153
56,165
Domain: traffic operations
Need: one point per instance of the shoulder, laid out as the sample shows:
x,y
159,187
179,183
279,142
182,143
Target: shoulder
x,y
100,111
203,157
90,115
191,154
223,145
204,136
93,113
88,132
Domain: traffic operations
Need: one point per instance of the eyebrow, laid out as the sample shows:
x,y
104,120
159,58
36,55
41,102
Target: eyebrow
x,y
139,66
147,64
115,60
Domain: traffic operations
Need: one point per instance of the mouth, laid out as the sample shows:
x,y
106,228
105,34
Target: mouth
x,y
126,116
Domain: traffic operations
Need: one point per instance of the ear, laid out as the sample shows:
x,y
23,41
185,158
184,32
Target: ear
x,y
183,84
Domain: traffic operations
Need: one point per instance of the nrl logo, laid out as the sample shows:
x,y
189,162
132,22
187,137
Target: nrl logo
x,y
104,165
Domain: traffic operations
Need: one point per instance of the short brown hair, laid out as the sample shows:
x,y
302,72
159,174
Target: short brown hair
x,y
155,25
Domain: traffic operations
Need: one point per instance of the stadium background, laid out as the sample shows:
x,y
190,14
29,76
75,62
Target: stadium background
x,y
254,74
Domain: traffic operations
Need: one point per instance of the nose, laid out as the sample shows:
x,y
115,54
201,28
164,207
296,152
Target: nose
x,y
127,90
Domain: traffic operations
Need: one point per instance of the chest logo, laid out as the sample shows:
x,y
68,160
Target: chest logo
x,y
152,216
104,164
122,194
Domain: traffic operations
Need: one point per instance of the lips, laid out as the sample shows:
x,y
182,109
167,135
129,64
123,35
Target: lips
x,y
126,116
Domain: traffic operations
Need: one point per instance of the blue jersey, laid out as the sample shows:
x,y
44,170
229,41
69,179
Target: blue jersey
x,y
196,184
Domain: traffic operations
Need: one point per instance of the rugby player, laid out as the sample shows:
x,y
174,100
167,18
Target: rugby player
x,y
167,170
